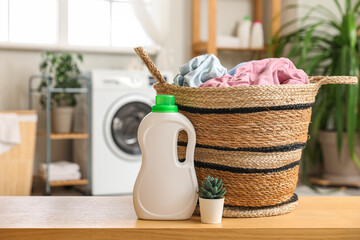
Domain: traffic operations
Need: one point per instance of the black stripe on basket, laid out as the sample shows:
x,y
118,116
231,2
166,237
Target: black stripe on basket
x,y
244,110
281,148
294,198
245,170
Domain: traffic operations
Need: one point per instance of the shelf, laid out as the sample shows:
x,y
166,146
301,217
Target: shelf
x,y
209,46
326,183
202,47
67,182
242,49
20,112
59,136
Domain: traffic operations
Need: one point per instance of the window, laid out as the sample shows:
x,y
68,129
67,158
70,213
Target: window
x,y
24,21
71,23
123,20
3,20
90,25
33,21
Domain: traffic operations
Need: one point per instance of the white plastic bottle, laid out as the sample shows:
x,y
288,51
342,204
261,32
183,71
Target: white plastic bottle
x,y
165,188
257,35
244,32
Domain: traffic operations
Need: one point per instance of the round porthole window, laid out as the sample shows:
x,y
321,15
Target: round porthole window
x,y
125,124
122,122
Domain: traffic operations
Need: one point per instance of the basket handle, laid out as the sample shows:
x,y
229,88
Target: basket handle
x,y
149,64
323,80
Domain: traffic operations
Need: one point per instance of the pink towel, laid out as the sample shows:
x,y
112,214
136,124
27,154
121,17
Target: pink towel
x,y
270,71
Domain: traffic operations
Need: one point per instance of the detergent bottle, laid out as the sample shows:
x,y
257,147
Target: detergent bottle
x,y
257,35
244,32
165,188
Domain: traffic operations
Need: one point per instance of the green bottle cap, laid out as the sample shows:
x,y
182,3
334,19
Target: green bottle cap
x,y
165,104
246,18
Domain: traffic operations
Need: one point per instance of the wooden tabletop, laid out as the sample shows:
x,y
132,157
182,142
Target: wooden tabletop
x,y
53,218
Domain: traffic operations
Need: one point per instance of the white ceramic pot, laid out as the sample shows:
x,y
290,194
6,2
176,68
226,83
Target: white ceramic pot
x,y
342,170
61,119
211,210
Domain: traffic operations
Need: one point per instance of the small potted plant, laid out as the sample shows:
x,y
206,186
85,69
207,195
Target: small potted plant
x,y
63,71
211,200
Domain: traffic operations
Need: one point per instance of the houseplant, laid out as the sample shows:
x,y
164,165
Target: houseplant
x,y
325,44
63,72
211,200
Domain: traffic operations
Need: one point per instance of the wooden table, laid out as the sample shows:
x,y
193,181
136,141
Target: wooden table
x,y
51,218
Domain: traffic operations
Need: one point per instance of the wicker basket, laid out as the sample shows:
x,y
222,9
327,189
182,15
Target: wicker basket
x,y
16,165
250,136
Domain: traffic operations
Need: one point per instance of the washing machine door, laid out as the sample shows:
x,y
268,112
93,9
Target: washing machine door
x,y
122,124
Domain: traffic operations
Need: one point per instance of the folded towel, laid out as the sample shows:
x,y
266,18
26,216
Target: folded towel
x,y
9,131
198,70
60,171
61,166
271,71
228,41
76,175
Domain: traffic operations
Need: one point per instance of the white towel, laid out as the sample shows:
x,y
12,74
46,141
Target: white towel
x,y
60,171
61,166
228,41
76,175
9,131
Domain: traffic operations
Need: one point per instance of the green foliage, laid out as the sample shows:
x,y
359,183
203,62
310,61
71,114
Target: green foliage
x,y
212,188
324,44
63,71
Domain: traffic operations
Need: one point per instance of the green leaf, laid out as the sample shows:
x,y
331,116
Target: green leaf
x,y
219,184
339,119
338,6
356,7
308,41
347,5
357,161
352,101
208,184
209,195
203,183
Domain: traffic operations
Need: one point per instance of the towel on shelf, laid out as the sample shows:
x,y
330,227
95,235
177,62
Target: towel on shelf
x,y
60,171
228,41
198,70
9,131
61,166
270,71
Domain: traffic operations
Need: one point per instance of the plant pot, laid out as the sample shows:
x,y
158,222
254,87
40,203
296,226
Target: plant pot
x,y
342,169
62,119
211,210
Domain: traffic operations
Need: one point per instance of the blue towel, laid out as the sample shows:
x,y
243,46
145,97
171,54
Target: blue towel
x,y
198,70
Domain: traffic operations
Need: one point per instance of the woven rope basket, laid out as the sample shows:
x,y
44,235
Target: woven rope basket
x,y
250,136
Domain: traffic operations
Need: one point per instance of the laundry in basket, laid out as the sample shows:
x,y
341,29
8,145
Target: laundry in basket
x,y
250,136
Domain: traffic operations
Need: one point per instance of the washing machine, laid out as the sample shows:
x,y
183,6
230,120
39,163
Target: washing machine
x,y
120,100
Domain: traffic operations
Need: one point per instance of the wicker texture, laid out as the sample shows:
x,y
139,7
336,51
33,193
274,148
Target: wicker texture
x,y
16,165
251,137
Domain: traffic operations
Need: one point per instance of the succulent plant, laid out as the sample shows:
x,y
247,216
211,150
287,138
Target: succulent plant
x,y
212,188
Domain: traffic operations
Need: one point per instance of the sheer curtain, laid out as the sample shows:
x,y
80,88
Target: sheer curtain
x,y
156,23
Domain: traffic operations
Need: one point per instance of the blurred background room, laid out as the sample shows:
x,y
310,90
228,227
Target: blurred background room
x,y
73,91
